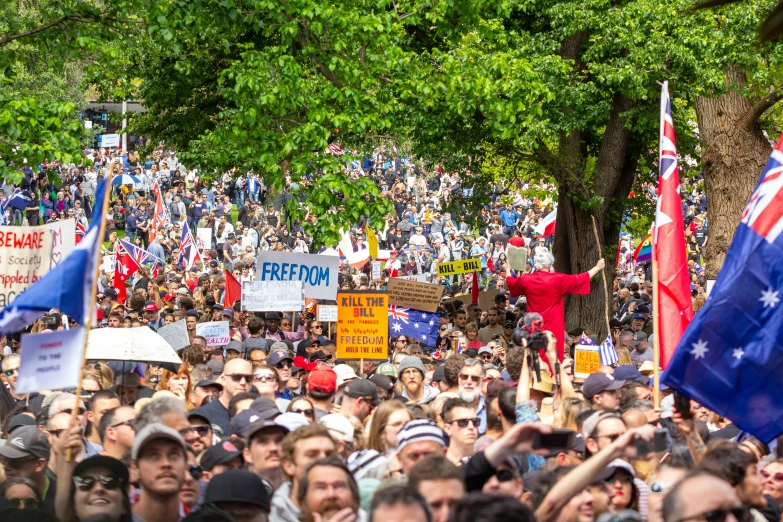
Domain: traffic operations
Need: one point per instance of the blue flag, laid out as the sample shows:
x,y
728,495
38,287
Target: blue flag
x,y
414,324
68,287
731,355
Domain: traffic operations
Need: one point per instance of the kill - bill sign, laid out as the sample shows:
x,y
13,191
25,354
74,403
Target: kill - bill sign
x,y
362,325
461,266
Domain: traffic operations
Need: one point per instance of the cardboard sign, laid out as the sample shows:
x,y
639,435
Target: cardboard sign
x,y
25,257
203,238
362,325
517,258
50,361
422,278
412,294
318,273
466,299
63,239
487,299
217,333
588,360
272,296
376,270
176,334
461,266
327,313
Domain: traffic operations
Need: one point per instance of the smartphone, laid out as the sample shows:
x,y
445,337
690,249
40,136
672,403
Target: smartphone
x,y
659,444
683,405
558,440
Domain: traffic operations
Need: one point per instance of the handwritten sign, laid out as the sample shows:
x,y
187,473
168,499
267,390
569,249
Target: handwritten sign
x,y
50,361
422,278
217,333
176,334
108,141
588,360
461,266
204,238
412,294
272,296
63,239
327,313
376,270
317,272
25,257
362,325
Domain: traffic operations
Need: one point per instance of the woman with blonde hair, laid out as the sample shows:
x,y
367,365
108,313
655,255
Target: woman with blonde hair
x,y
387,421
99,372
568,412
177,383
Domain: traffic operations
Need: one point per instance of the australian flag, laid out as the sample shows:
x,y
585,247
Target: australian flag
x,y
730,358
414,324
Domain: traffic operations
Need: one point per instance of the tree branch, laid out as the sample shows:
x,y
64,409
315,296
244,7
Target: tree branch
x,y
762,106
38,30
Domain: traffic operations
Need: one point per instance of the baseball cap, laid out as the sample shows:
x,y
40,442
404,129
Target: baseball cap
x,y
628,372
238,485
170,296
382,382
19,420
266,407
638,337
591,422
261,425
339,426
344,374
198,414
229,312
387,369
207,383
116,467
418,430
364,389
277,356
322,379
639,316
216,367
292,420
599,382
439,375
236,346
26,441
152,432
192,313
485,349
150,307
219,453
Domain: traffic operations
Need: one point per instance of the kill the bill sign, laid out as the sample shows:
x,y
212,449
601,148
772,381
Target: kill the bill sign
x,y
362,325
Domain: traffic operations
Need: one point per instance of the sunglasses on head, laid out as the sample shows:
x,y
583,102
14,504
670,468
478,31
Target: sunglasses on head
x,y
109,482
463,423
237,377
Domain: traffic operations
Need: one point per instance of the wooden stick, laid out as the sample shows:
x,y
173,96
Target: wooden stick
x,y
603,276
656,338
93,295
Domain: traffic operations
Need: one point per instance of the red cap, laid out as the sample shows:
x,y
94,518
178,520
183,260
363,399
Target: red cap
x,y
322,379
169,296
151,307
99,314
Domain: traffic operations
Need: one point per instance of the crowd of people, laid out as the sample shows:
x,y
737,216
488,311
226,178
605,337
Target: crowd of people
x,y
483,426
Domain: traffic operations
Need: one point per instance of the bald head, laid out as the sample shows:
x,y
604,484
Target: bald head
x,y
231,380
699,494
634,418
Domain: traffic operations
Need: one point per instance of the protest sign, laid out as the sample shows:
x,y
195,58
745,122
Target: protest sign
x,y
422,278
376,270
461,266
108,141
50,361
203,238
176,334
327,313
412,294
63,239
465,299
487,299
272,296
25,257
217,333
141,344
318,273
362,325
588,360
108,263
517,258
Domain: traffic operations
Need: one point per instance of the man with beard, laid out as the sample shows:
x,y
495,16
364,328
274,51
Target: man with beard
x,y
263,451
158,460
329,492
411,372
116,432
300,448
471,379
461,425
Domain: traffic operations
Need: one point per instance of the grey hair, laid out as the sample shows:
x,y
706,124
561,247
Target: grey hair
x,y
639,404
155,410
9,358
543,259
475,362
531,317
57,400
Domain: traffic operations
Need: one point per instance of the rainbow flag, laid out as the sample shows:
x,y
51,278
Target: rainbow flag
x,y
644,251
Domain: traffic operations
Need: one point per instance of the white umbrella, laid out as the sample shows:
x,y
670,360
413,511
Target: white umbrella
x,y
139,344
125,179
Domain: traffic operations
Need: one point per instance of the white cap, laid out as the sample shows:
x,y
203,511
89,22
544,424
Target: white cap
x,y
339,426
344,374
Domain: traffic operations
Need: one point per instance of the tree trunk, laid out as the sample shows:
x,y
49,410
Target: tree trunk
x,y
736,152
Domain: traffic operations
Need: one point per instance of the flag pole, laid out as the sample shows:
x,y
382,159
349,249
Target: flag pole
x,y
603,277
657,337
93,295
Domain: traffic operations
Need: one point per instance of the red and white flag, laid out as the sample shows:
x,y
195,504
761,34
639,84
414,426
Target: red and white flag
x,y
673,290
124,268
546,227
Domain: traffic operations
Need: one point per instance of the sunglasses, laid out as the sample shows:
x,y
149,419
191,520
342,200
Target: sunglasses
x,y
123,423
195,471
202,429
11,371
486,357
719,515
463,423
237,377
109,482
283,364
317,326
472,378
402,341
659,487
306,413
504,475
285,324
265,377
777,477
23,503
69,411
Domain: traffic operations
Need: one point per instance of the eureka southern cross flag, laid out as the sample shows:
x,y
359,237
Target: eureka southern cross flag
x,y
730,358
